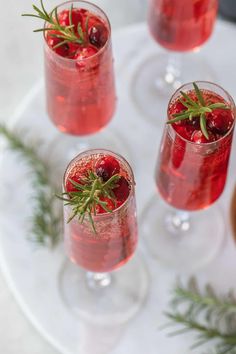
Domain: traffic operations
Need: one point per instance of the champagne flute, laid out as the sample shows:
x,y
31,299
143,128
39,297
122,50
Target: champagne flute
x,y
181,228
79,78
101,284
180,27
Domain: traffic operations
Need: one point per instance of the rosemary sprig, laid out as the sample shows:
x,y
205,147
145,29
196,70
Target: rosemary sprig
x,y
46,219
196,109
87,197
210,316
65,33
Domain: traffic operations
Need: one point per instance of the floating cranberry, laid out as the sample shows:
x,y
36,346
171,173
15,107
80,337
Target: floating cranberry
x,y
195,123
83,12
70,187
220,121
63,18
122,190
109,205
62,50
106,167
73,49
85,52
185,130
76,17
98,35
177,107
199,138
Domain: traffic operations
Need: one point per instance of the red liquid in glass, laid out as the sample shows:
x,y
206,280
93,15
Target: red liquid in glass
x,y
191,171
80,88
182,25
115,239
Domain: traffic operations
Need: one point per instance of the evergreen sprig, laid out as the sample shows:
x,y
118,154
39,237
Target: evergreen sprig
x,y
211,317
46,219
65,33
87,196
196,109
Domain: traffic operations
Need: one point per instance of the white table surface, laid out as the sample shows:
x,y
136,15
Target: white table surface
x,y
21,63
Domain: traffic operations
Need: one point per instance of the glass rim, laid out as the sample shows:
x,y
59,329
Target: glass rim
x,y
211,142
120,157
101,50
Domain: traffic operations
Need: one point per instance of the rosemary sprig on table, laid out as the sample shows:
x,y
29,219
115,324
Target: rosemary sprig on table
x,y
196,109
55,29
87,197
211,317
46,219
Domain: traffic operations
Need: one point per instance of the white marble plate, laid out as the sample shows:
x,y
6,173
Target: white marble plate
x,y
32,273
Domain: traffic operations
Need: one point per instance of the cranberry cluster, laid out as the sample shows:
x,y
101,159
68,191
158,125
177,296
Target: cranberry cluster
x,y
105,167
218,123
95,34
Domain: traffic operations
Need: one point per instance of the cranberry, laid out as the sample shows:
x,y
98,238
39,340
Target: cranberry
x,y
185,130
177,107
109,204
98,35
82,54
85,52
199,138
73,49
83,12
64,18
106,167
220,121
69,185
195,123
62,50
77,174
77,17
122,190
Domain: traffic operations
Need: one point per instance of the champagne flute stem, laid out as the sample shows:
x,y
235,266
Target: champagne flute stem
x,y
172,74
98,280
177,222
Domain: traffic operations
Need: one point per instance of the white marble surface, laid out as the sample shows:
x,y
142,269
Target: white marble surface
x,y
21,65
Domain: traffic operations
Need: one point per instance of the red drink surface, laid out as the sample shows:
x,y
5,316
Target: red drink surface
x,y
182,25
80,87
191,171
115,239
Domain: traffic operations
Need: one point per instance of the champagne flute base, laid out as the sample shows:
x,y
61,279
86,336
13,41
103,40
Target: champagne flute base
x,y
105,299
184,241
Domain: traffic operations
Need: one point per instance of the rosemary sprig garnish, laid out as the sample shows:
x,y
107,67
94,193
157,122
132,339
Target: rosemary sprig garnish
x,y
196,109
84,201
46,219
65,33
210,316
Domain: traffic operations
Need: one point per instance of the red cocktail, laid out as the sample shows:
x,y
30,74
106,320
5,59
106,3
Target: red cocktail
x,y
190,176
80,88
192,169
115,237
101,236
182,25
177,26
